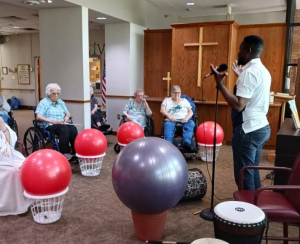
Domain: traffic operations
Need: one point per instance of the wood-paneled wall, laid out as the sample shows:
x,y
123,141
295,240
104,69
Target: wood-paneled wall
x,y
157,55
274,50
185,59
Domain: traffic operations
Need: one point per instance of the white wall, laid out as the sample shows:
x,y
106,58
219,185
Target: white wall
x,y
242,19
134,11
20,49
97,36
65,57
124,65
136,57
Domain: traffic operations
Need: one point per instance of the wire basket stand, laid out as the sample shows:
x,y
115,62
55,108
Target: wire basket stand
x,y
47,209
90,165
206,151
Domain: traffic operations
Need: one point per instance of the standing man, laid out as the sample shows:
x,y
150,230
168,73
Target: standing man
x,y
250,104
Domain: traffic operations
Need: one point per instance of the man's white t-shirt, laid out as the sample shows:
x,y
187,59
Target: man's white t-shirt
x,y
254,83
179,110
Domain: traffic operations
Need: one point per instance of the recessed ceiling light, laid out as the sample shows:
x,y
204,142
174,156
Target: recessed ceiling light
x,y
16,27
100,18
190,4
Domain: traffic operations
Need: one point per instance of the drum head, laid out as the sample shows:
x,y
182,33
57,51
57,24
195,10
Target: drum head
x,y
209,241
239,212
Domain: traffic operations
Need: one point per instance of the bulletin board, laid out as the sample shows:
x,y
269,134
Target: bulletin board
x,y
95,70
23,71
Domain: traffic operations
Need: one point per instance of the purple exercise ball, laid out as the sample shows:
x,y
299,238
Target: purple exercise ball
x,y
150,175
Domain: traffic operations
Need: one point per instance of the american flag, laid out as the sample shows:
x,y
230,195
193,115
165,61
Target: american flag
x,y
103,88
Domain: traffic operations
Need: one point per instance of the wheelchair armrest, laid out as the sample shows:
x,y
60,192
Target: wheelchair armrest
x,y
242,171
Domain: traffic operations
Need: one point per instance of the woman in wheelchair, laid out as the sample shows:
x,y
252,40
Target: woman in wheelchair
x,y
96,116
54,113
178,110
137,109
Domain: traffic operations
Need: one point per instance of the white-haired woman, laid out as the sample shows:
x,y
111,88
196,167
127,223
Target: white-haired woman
x,y
137,109
54,113
177,109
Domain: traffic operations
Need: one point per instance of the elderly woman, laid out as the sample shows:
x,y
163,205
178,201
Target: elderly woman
x,y
54,113
177,109
137,109
97,117
12,200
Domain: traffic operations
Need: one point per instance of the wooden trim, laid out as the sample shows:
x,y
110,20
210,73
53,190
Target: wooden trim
x,y
232,22
76,101
14,89
262,25
118,96
158,31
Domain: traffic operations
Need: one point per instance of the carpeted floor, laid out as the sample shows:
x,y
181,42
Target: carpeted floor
x,y
92,212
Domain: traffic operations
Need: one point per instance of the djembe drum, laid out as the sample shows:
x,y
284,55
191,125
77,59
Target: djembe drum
x,y
239,222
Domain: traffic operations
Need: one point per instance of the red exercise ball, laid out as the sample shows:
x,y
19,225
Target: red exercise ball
x,y
90,142
205,133
45,172
129,132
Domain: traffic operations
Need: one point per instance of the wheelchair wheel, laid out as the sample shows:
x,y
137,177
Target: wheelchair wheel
x,y
33,140
117,148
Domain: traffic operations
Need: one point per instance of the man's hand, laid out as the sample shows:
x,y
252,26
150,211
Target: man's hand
x,y
128,118
236,68
219,76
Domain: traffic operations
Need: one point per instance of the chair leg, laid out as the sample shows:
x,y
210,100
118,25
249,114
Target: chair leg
x,y
285,232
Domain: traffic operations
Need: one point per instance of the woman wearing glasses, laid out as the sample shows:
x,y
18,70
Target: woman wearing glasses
x,y
54,113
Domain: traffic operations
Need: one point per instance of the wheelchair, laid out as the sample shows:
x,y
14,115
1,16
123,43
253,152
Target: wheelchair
x,y
149,130
37,137
179,130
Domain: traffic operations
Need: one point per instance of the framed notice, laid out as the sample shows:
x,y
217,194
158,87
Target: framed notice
x,y
23,71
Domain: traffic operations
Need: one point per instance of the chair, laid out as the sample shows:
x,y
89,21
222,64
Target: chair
x,y
281,203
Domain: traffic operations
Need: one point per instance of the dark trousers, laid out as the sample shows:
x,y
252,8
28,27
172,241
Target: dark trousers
x,y
66,135
97,117
246,150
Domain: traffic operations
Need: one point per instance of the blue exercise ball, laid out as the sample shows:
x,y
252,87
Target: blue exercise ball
x,y
150,175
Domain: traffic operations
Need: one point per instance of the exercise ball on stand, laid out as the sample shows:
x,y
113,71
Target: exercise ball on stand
x,y
45,176
149,176
90,146
128,132
205,138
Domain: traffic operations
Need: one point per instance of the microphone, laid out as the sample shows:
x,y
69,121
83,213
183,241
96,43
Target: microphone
x,y
222,67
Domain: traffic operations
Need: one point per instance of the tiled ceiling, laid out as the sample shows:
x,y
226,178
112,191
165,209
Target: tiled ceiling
x,y
16,13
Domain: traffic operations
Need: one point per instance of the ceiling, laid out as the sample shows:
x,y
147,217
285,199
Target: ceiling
x,y
16,13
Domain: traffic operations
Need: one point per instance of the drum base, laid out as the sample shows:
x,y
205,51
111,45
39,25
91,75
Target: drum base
x,y
207,214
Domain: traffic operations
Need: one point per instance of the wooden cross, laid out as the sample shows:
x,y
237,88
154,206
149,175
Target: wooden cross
x,y
168,79
200,44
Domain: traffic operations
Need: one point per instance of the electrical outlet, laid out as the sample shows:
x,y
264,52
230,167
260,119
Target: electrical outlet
x,y
118,116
